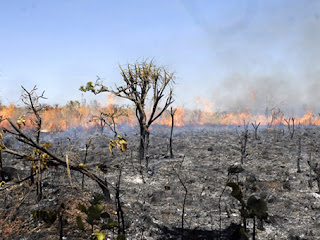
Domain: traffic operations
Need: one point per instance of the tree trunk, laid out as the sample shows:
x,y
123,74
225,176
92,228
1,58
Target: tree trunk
x,y
171,133
299,155
254,229
101,127
146,150
104,188
142,143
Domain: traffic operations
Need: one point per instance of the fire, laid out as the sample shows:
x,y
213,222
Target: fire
x,y
111,99
179,117
309,119
206,105
74,115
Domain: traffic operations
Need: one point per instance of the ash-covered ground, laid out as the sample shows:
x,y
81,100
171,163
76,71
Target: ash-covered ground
x,y
153,201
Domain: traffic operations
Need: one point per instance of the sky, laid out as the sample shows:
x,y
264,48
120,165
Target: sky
x,y
231,54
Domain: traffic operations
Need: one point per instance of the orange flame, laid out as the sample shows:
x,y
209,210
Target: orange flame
x,y
77,116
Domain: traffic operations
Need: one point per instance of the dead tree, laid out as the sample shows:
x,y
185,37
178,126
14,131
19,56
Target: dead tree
x,y
184,198
109,118
290,126
274,112
120,214
88,145
172,112
299,157
310,181
31,100
255,126
244,141
141,79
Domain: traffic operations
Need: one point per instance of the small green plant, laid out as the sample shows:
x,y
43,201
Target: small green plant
x,y
97,218
252,208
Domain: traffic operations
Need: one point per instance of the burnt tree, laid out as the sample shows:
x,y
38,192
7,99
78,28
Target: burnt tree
x,y
255,126
290,126
31,100
172,112
243,141
109,118
299,157
142,80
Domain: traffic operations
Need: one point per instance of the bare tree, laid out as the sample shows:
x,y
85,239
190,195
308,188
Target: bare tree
x,y
184,199
172,112
243,141
109,118
141,79
255,126
31,100
273,110
299,157
290,126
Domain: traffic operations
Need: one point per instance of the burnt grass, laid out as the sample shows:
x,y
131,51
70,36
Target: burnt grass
x,y
153,204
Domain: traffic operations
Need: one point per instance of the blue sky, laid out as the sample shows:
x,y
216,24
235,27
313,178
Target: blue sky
x,y
220,50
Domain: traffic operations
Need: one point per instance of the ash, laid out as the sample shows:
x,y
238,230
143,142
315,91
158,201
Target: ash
x,y
152,197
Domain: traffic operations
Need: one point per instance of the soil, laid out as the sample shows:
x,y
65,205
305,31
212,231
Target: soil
x,y
152,197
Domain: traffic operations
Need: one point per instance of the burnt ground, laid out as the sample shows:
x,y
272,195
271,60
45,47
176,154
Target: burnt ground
x,y
153,203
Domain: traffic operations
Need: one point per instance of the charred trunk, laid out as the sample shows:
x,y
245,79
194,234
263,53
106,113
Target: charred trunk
x,y
146,156
104,188
142,143
299,158
171,133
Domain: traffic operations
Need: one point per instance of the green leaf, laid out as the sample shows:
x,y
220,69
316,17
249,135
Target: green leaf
x,y
236,191
82,165
94,211
80,223
257,207
98,198
100,235
244,213
82,208
2,183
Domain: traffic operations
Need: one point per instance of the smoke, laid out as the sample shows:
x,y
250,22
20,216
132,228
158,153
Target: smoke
x,y
269,49
255,93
